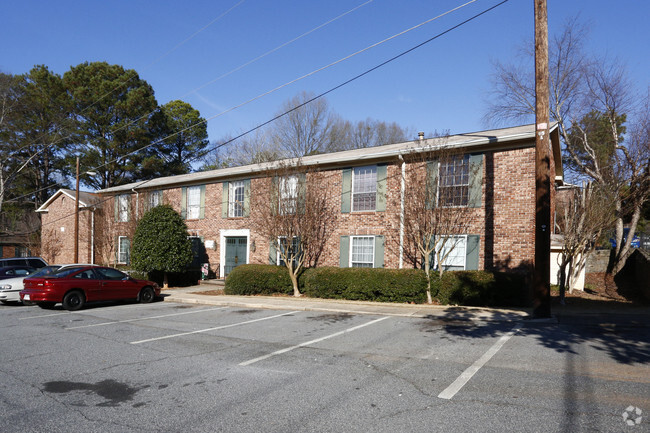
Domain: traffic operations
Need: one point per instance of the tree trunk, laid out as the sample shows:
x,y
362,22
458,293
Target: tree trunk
x,y
165,281
294,281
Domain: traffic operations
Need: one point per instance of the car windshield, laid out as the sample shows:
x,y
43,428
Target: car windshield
x,y
44,272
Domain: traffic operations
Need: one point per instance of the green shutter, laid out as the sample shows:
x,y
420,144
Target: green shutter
x,y
379,252
117,249
128,207
224,200
184,202
302,192
472,252
116,200
247,197
344,254
346,190
202,209
273,252
381,188
432,184
475,179
275,195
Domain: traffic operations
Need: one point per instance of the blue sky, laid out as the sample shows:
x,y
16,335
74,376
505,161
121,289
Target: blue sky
x,y
441,86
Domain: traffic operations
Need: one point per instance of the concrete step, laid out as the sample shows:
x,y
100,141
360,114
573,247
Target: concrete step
x,y
217,283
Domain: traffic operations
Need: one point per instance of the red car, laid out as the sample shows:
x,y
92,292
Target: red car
x,y
75,285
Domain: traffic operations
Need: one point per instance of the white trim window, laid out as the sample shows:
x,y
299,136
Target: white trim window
x,y
123,208
155,199
364,189
236,192
362,251
124,250
193,202
282,243
453,188
455,258
288,187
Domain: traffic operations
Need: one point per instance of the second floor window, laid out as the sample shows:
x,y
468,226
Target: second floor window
x,y
364,188
236,199
288,195
123,208
193,202
453,189
155,199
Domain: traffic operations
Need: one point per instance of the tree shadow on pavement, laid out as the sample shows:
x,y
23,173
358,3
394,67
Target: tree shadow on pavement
x,y
622,333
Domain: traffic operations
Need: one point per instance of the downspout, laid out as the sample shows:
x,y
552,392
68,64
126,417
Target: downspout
x,y
401,212
137,203
92,235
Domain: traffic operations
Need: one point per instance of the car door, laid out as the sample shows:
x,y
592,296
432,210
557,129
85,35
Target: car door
x,y
89,282
116,284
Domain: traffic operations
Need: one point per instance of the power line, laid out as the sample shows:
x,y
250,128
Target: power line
x,y
200,87
403,53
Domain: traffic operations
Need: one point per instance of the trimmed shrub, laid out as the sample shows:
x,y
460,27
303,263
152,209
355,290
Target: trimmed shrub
x,y
366,284
258,280
479,288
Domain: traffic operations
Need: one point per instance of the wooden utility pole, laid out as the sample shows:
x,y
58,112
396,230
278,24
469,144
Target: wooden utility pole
x,y
76,218
541,283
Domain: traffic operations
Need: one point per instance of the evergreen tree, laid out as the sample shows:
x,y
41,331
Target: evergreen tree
x,y
160,242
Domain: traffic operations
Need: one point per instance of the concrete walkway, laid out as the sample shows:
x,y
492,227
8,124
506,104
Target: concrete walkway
x,y
205,294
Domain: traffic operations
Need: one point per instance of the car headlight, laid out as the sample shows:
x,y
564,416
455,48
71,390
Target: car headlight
x,y
5,287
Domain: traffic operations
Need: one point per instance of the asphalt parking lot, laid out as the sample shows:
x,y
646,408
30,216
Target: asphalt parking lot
x,y
198,368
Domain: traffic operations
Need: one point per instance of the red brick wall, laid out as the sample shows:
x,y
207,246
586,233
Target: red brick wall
x,y
506,235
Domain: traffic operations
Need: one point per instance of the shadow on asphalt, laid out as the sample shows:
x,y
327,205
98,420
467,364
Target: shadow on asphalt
x,y
623,334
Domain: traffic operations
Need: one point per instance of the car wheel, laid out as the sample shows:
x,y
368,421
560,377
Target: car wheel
x,y
46,305
73,301
146,295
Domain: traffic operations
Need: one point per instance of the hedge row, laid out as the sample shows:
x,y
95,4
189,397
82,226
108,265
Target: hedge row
x,y
476,288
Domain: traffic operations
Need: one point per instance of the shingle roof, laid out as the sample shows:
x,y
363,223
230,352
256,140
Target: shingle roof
x,y
506,137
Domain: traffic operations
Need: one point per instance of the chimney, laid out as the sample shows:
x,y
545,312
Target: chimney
x,y
421,135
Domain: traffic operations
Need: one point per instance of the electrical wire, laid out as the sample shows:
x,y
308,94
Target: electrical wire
x,y
403,53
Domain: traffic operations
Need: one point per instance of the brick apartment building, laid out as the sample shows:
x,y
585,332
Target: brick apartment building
x,y
368,189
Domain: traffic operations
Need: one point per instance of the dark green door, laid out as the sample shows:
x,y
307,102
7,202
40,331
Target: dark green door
x,y
235,253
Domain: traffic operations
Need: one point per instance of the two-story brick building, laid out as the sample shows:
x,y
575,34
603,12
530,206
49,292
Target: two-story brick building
x,y
499,185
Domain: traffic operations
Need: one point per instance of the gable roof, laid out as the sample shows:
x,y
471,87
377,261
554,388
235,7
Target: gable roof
x,y
86,199
506,138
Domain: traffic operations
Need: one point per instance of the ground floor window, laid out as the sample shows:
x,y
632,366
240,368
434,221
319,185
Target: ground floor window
x,y
295,247
453,252
362,251
124,251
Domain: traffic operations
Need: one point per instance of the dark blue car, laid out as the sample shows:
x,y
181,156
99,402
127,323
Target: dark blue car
x,y
636,241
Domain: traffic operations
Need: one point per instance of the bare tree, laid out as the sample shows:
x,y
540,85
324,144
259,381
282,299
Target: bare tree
x,y
584,213
51,245
438,207
305,129
586,93
299,217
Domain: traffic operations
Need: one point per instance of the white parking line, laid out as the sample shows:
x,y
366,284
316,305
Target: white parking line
x,y
44,315
278,352
145,318
452,389
213,329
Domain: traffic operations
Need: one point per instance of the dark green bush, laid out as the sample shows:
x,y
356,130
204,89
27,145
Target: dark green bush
x,y
479,288
189,277
366,284
258,280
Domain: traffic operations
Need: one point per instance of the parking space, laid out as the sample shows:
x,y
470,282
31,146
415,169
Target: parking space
x,y
170,367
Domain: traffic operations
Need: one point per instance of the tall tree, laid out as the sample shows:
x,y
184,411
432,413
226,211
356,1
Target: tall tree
x,y
114,110
183,140
305,129
590,100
